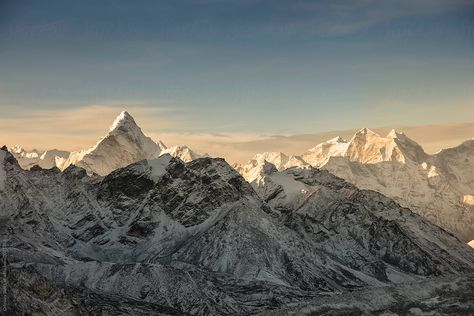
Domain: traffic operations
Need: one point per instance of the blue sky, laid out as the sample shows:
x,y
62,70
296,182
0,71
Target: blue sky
x,y
221,66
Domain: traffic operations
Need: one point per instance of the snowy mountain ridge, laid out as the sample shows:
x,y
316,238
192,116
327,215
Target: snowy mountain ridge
x,y
439,187
125,143
365,147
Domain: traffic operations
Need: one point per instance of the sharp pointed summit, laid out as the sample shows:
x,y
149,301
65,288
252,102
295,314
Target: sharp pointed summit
x,y
366,132
124,144
394,134
123,121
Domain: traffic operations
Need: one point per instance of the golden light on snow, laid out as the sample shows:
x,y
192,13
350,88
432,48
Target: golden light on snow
x,y
81,127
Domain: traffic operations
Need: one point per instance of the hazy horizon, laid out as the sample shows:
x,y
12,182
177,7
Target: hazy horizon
x,y
233,147
220,75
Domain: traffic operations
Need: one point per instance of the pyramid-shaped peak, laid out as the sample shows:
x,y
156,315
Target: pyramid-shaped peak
x,y
394,134
124,119
401,138
365,131
364,134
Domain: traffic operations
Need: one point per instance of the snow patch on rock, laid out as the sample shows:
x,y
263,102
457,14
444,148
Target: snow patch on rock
x,y
124,118
158,166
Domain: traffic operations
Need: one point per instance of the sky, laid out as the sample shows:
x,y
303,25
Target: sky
x,y
242,71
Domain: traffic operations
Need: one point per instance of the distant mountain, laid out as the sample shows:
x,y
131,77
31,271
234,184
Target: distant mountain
x,y
124,144
47,159
161,236
280,161
183,152
439,187
367,147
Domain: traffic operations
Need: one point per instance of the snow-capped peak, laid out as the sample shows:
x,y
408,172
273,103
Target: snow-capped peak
x,y
185,153
17,149
124,119
394,134
279,159
400,136
366,146
124,144
365,132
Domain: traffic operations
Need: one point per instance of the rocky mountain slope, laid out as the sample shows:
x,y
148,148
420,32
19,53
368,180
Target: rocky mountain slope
x,y
165,236
440,296
439,187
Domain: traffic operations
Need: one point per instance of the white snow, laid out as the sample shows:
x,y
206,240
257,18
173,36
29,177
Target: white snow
x,y
46,159
438,187
16,149
121,119
263,163
250,247
182,152
158,166
319,154
291,187
123,145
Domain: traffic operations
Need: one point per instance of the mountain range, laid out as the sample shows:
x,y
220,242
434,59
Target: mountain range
x,y
440,187
124,144
165,236
132,227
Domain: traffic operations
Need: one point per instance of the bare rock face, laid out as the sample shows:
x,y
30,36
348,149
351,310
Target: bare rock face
x,y
162,236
